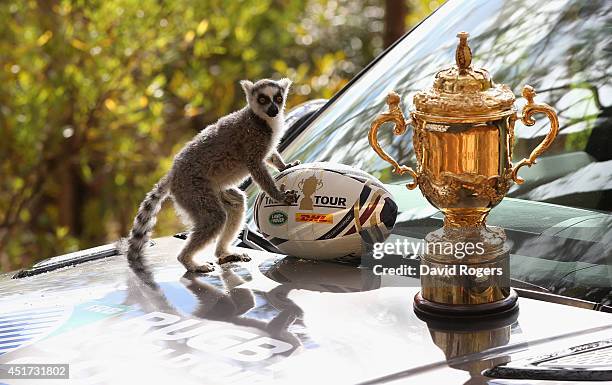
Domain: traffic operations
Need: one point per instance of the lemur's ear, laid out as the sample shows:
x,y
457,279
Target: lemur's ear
x,y
247,86
285,83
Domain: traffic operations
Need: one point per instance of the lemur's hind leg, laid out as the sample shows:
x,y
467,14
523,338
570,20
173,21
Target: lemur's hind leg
x,y
234,203
208,216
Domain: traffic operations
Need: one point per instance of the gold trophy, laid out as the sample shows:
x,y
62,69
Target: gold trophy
x,y
463,138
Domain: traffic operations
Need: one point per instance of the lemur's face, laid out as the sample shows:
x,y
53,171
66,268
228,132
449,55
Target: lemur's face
x,y
266,97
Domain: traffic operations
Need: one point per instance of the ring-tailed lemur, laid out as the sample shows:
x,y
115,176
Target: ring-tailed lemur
x,y
205,173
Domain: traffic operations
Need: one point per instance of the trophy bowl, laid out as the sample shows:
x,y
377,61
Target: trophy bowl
x,y
463,134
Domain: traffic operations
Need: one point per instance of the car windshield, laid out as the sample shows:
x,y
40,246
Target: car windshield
x,y
561,48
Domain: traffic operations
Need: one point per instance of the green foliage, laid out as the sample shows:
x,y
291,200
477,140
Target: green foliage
x,y
97,96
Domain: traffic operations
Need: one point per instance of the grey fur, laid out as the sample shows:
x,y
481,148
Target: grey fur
x,y
205,173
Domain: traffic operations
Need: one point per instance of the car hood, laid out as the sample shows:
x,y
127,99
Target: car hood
x,y
275,319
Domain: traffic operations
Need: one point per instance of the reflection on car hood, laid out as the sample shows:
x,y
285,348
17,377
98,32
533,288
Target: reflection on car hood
x,y
275,319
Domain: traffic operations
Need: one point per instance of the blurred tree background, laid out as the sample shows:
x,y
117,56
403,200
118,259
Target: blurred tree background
x,y
98,95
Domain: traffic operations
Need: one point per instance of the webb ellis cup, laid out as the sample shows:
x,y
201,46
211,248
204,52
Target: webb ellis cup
x,y
463,137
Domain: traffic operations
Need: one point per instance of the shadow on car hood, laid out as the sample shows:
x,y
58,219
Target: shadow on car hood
x,y
275,319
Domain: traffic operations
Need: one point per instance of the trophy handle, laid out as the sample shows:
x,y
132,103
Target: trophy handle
x,y
396,116
532,108
319,184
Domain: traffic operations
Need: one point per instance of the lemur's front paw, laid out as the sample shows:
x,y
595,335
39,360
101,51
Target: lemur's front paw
x,y
290,197
292,164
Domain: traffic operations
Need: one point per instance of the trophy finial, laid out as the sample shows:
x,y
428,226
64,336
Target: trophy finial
x,y
463,55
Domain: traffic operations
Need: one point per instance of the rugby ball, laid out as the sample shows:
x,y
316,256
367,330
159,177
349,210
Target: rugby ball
x,y
338,208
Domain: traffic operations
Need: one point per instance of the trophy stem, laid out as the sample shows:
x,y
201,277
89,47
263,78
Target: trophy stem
x,y
465,217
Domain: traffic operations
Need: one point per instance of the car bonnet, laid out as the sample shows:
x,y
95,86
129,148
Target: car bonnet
x,y
275,319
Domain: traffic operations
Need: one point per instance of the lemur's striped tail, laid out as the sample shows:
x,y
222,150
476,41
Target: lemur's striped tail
x,y
145,221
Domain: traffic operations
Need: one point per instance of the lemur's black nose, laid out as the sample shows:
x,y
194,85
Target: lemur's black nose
x,y
272,111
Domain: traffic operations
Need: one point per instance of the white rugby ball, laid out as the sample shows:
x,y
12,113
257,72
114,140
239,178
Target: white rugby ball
x,y
337,209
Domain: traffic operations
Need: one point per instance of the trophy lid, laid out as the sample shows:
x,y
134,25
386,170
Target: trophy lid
x,y
463,92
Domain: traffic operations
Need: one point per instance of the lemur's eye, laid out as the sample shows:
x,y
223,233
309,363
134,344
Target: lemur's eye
x,y
278,99
261,100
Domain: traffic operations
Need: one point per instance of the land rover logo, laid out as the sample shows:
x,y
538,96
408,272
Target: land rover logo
x,y
278,218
